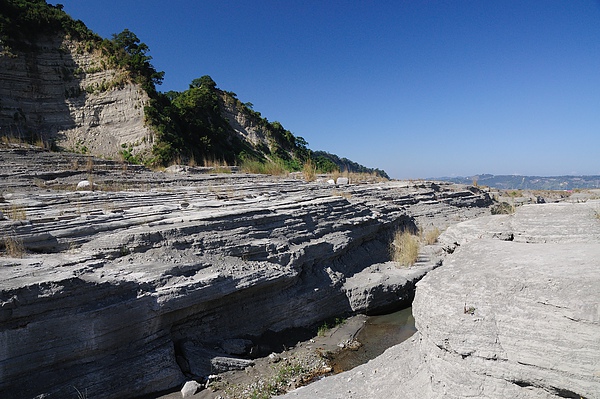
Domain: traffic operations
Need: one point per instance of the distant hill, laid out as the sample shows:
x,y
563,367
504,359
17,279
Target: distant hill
x,y
517,182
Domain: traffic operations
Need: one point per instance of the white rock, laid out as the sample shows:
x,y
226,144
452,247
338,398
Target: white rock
x,y
342,180
330,181
190,388
274,357
85,185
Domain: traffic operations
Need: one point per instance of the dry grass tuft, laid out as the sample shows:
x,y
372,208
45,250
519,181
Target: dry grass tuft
x,y
263,168
430,237
16,212
404,248
309,171
14,246
343,194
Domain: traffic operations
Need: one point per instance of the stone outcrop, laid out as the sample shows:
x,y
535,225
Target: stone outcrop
x,y
512,313
64,93
135,287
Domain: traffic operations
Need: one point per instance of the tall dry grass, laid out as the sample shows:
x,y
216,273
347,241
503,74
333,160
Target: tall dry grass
x,y
309,171
404,248
430,237
14,246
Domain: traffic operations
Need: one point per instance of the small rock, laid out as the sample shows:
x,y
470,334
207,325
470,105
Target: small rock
x,y
190,388
274,358
342,180
330,181
85,185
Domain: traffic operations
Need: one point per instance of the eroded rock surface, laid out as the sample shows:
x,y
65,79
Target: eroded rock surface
x,y
136,289
512,313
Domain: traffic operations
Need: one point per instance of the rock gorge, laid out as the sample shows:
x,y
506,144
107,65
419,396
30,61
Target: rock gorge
x,y
131,291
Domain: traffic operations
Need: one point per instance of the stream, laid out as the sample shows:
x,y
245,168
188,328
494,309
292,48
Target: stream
x,y
378,334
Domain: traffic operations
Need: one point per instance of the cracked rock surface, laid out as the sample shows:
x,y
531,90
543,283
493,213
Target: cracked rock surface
x,y
514,312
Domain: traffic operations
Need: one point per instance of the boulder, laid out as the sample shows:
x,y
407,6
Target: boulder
x,y
221,364
85,185
342,180
190,388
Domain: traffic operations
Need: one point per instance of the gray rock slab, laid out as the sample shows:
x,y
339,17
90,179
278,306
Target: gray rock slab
x,y
112,283
500,318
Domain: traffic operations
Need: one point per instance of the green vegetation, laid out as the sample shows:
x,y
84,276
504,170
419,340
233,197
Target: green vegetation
x,y
328,163
325,327
189,125
404,248
22,21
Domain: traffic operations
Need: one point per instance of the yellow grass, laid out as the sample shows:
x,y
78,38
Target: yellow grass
x,y
14,246
404,248
431,236
309,171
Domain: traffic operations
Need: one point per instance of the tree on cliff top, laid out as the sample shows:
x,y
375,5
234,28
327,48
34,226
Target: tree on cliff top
x,y
22,21
126,51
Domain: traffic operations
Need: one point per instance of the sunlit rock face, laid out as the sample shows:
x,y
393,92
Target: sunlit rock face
x,y
512,312
59,91
143,282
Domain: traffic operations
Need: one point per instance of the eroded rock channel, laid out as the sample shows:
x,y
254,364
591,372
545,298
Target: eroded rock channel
x,y
153,278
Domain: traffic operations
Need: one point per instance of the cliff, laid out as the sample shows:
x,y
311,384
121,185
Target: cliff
x,y
58,92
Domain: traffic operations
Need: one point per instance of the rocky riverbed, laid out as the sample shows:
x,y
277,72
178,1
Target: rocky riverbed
x,y
145,279
512,313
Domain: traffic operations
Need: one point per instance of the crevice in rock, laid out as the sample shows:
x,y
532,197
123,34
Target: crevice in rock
x,y
565,393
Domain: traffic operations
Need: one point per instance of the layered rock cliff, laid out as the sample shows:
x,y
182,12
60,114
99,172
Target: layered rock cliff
x,y
131,290
59,91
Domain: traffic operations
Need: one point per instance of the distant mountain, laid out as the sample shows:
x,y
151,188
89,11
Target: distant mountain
x,y
517,182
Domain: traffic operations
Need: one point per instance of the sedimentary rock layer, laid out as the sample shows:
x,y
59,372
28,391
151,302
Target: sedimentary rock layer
x,y
512,313
131,290
64,93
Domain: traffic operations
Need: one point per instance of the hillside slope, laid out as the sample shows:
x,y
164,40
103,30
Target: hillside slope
x,y
63,86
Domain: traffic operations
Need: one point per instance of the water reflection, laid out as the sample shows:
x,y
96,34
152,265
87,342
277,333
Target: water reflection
x,y
378,334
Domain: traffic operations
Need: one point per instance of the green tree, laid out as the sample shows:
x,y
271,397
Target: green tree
x,y
204,81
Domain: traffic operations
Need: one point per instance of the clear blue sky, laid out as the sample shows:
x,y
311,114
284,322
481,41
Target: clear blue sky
x,y
418,88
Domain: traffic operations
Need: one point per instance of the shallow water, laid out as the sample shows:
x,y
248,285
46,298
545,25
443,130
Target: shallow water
x,y
378,334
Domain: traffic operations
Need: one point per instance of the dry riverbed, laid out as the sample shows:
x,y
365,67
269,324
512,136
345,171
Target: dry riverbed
x,y
332,350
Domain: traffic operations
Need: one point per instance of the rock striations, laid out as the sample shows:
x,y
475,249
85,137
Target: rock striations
x,y
154,277
64,93
512,313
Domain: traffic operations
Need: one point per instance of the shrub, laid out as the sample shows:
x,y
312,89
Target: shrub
x,y
431,236
503,208
309,171
404,248
14,246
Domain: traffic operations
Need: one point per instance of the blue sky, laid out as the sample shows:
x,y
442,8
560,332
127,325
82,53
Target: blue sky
x,y
417,88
